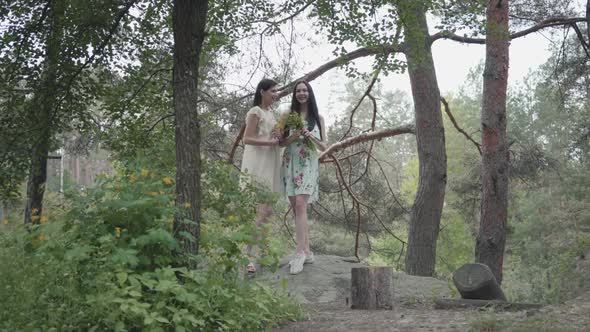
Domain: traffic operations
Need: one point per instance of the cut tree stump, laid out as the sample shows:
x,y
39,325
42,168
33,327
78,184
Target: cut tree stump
x,y
476,281
500,305
372,288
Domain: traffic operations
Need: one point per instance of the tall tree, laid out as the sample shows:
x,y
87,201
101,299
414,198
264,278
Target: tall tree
x,y
188,20
41,109
48,80
430,138
491,239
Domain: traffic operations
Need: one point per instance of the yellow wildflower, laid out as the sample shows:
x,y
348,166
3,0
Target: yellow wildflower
x,y
34,211
118,231
168,180
43,219
5,221
232,218
153,193
35,218
152,174
187,205
41,237
162,192
132,178
145,173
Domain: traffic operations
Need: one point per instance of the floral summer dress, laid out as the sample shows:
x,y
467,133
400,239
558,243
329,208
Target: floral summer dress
x,y
263,163
300,169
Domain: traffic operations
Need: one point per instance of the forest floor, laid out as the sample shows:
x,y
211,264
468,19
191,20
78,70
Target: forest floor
x,y
323,289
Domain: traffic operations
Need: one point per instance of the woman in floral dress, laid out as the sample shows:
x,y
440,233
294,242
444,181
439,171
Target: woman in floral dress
x,y
300,167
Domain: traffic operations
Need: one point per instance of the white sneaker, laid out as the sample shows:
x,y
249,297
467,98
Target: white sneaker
x,y
297,263
309,259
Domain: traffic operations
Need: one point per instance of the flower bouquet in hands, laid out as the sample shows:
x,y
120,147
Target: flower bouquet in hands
x,y
279,129
295,121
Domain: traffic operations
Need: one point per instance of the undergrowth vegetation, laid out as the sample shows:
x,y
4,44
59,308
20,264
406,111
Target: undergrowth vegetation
x,y
109,260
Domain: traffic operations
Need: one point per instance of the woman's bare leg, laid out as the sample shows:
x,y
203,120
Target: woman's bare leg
x,y
264,211
299,205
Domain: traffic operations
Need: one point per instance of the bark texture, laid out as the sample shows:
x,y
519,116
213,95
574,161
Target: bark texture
x,y
372,288
189,17
430,138
491,239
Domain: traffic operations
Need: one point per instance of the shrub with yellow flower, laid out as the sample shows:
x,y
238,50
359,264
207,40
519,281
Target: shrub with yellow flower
x,y
168,181
5,221
145,173
43,219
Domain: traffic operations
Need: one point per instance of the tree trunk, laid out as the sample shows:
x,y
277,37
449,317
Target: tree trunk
x,y
491,239
430,138
189,17
372,287
41,108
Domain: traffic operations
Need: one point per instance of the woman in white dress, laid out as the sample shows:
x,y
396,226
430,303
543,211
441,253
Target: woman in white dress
x,y
262,159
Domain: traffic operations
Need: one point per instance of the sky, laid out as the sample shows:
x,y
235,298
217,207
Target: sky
x,y
453,61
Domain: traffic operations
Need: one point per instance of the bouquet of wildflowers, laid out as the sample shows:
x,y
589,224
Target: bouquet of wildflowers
x,y
279,130
295,121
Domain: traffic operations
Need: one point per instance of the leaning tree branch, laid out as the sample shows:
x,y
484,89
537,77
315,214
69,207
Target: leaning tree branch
x,y
550,22
452,118
312,75
585,45
368,136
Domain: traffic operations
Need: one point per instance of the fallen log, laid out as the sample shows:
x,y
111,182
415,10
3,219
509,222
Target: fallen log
x,y
476,281
498,305
372,288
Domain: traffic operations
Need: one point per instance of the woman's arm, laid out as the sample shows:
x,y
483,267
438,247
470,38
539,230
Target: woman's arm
x,y
250,136
320,143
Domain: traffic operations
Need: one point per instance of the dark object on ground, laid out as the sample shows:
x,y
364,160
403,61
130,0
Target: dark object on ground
x,y
499,305
372,287
477,282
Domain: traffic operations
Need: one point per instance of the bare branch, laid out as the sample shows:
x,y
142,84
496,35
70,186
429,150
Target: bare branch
x,y
369,136
312,75
235,145
585,45
169,115
550,22
358,104
452,118
389,185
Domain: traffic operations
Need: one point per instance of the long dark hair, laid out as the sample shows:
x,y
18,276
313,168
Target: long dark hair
x,y
264,84
313,115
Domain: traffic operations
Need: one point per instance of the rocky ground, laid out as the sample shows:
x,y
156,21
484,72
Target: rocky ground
x,y
323,289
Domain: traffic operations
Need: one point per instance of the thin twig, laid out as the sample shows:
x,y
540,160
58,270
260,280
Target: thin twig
x,y
448,111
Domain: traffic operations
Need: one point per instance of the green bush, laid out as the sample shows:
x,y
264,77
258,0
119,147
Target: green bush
x,y
112,262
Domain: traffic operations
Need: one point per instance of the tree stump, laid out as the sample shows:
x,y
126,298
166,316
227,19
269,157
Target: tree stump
x,y
476,281
372,288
